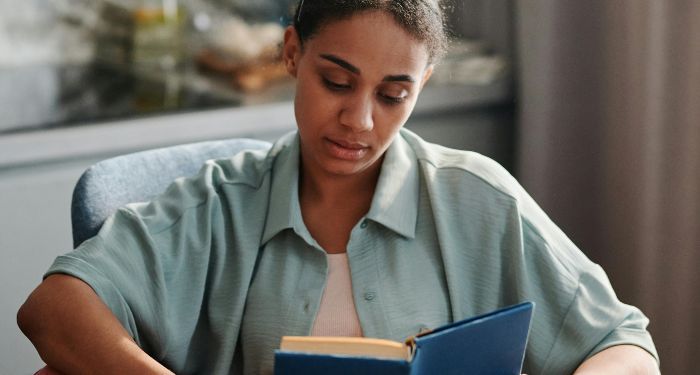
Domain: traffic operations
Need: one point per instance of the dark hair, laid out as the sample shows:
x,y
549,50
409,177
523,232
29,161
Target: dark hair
x,y
423,19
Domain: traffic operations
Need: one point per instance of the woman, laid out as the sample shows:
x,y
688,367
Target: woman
x,y
351,226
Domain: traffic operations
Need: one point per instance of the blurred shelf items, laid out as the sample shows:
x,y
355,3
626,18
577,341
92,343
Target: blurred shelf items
x,y
95,60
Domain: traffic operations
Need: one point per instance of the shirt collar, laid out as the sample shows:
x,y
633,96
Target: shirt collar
x,y
395,201
283,211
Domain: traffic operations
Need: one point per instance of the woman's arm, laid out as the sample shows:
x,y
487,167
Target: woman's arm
x,y
75,333
620,359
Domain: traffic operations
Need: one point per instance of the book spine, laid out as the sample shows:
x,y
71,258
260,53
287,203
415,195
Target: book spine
x,y
290,363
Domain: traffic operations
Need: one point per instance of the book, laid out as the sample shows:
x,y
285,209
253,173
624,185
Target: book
x,y
492,343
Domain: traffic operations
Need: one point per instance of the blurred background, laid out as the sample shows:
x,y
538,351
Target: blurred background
x,y
592,105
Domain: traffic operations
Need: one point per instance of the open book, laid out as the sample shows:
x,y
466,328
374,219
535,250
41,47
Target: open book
x,y
493,343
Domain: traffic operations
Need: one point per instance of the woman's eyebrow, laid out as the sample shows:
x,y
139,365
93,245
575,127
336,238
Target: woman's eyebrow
x,y
399,78
342,63
353,69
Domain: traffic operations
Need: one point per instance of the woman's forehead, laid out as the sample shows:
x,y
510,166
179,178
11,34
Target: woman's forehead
x,y
370,38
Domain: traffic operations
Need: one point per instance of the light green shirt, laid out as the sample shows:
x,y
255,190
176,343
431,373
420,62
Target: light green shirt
x,y
209,276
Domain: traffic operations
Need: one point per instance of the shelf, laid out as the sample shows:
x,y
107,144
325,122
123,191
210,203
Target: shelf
x,y
254,117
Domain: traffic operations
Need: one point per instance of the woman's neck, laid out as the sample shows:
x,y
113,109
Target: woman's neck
x,y
332,205
329,189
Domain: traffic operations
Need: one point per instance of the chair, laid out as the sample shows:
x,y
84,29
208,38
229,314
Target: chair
x,y
140,176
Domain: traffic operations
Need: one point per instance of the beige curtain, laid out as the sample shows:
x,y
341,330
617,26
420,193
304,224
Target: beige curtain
x,y
610,146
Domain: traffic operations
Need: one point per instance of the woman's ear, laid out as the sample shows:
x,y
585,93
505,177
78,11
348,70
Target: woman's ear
x,y
291,50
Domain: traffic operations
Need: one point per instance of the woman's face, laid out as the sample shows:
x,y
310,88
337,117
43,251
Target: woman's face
x,y
357,82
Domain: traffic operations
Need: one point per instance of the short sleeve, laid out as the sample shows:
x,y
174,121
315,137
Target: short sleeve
x,y
125,268
594,321
175,271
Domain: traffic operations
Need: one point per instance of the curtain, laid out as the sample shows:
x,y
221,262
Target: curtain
x,y
609,145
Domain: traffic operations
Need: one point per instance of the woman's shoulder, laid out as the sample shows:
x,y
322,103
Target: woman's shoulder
x,y
468,166
248,167
243,177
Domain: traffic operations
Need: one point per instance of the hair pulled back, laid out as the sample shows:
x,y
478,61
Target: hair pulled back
x,y
423,19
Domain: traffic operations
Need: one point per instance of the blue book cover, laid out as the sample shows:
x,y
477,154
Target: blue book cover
x,y
492,343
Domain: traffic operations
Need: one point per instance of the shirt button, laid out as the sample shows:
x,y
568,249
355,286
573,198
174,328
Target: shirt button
x,y
364,224
369,296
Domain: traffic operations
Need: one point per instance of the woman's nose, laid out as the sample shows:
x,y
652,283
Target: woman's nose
x,y
357,114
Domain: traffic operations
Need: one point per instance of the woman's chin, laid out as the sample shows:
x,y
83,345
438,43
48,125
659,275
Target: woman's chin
x,y
345,167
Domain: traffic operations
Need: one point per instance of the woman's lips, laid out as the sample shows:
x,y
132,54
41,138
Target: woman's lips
x,y
347,150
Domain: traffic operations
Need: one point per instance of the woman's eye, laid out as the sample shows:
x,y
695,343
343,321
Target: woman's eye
x,y
392,99
335,85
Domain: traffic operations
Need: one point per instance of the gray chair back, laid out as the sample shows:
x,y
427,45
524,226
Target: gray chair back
x,y
139,177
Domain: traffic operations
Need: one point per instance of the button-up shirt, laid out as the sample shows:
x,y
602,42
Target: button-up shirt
x,y
210,275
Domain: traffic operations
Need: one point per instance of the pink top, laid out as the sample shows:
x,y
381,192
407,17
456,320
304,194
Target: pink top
x,y
337,315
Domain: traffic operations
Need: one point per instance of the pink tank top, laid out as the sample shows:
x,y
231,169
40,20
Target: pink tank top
x,y
337,315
